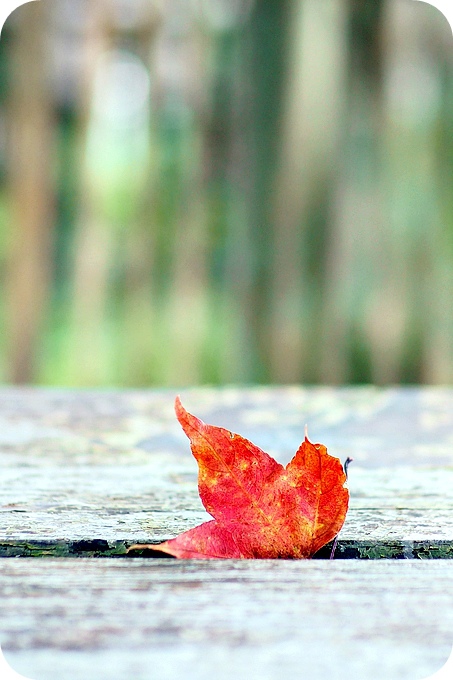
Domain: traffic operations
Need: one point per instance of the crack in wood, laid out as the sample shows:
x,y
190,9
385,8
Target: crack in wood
x,y
345,550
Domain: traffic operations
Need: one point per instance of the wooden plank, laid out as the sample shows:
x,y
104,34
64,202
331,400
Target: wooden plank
x,y
112,619
86,472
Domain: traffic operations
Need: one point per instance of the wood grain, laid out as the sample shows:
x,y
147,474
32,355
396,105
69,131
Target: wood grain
x,y
63,619
89,473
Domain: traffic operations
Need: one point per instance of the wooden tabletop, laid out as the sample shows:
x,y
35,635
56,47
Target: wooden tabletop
x,y
86,473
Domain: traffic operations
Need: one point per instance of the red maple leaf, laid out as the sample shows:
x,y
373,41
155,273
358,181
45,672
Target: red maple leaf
x,y
261,509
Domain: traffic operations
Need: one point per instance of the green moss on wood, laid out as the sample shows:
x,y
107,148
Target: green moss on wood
x,y
379,550
86,548
349,550
435,550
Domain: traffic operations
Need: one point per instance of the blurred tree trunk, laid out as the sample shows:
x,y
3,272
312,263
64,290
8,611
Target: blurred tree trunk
x,y
419,286
183,317
92,247
438,359
270,38
310,128
229,186
355,256
31,157
109,238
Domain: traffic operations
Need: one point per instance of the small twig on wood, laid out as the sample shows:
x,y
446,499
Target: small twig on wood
x,y
347,462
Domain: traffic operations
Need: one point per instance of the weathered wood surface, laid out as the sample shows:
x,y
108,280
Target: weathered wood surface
x,y
89,473
64,619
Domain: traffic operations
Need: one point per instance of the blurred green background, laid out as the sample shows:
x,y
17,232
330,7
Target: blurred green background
x,y
219,191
